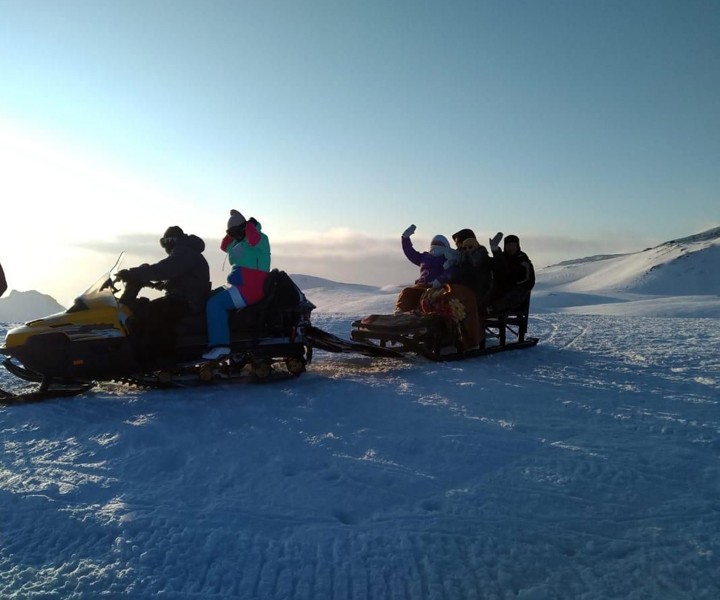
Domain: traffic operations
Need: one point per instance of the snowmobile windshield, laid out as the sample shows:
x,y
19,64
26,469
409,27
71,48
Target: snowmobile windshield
x,y
101,292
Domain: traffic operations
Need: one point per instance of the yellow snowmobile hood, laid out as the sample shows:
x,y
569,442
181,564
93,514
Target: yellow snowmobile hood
x,y
100,318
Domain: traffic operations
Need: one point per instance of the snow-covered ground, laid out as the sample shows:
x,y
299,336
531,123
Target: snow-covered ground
x,y
586,467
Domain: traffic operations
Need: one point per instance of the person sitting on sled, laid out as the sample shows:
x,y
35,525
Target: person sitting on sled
x,y
432,270
514,275
470,284
248,250
473,265
184,275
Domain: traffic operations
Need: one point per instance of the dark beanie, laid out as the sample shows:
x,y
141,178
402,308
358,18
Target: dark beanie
x,y
512,238
463,235
173,232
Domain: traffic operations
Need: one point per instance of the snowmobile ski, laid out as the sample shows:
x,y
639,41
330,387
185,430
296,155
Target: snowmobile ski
x,y
42,393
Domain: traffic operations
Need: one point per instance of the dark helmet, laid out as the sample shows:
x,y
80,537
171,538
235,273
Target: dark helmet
x,y
170,237
460,236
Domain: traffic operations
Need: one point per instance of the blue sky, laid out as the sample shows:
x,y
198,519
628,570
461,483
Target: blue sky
x,y
585,127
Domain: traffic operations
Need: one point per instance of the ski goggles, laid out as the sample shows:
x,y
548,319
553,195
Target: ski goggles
x,y
238,231
168,242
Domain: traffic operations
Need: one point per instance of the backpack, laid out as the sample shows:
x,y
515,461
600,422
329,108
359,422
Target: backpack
x,y
280,291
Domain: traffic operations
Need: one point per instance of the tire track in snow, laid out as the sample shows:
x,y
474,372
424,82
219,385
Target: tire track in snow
x,y
558,336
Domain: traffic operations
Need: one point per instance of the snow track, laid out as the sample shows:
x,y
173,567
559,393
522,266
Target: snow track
x,y
586,467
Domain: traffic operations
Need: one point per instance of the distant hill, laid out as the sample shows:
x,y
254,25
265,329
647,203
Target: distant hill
x,y
20,307
676,278
686,266
331,296
306,282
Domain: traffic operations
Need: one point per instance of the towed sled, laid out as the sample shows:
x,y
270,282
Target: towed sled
x,y
67,353
436,335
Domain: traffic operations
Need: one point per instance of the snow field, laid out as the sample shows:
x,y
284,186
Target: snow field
x,y
586,467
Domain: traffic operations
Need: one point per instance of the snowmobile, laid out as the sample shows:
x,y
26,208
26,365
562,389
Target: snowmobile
x,y
67,353
435,333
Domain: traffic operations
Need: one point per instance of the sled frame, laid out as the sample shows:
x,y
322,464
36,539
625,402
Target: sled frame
x,y
514,322
433,335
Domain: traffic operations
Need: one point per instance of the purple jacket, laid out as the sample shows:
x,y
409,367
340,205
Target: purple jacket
x,y
431,264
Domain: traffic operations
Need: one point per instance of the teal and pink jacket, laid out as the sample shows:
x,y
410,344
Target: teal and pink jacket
x,y
250,261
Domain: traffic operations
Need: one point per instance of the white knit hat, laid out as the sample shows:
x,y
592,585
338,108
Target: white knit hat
x,y
440,240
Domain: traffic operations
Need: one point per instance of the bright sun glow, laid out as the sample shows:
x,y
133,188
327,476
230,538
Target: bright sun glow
x,y
55,198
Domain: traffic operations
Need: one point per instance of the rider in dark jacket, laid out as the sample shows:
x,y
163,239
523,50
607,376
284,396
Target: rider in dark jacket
x,y
184,276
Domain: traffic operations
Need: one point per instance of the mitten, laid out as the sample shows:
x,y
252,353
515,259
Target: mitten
x,y
495,241
409,231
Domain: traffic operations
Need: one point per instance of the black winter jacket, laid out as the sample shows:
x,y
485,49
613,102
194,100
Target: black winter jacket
x,y
515,271
475,272
185,272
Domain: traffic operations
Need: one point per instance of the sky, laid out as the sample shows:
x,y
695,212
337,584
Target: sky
x,y
584,467
584,127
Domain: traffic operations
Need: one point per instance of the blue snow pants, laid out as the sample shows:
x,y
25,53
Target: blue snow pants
x,y
217,315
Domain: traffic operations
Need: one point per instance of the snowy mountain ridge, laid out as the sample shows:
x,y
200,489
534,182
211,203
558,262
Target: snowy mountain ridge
x,y
707,235
685,267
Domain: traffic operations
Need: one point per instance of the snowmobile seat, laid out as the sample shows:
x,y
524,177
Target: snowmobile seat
x,y
273,316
